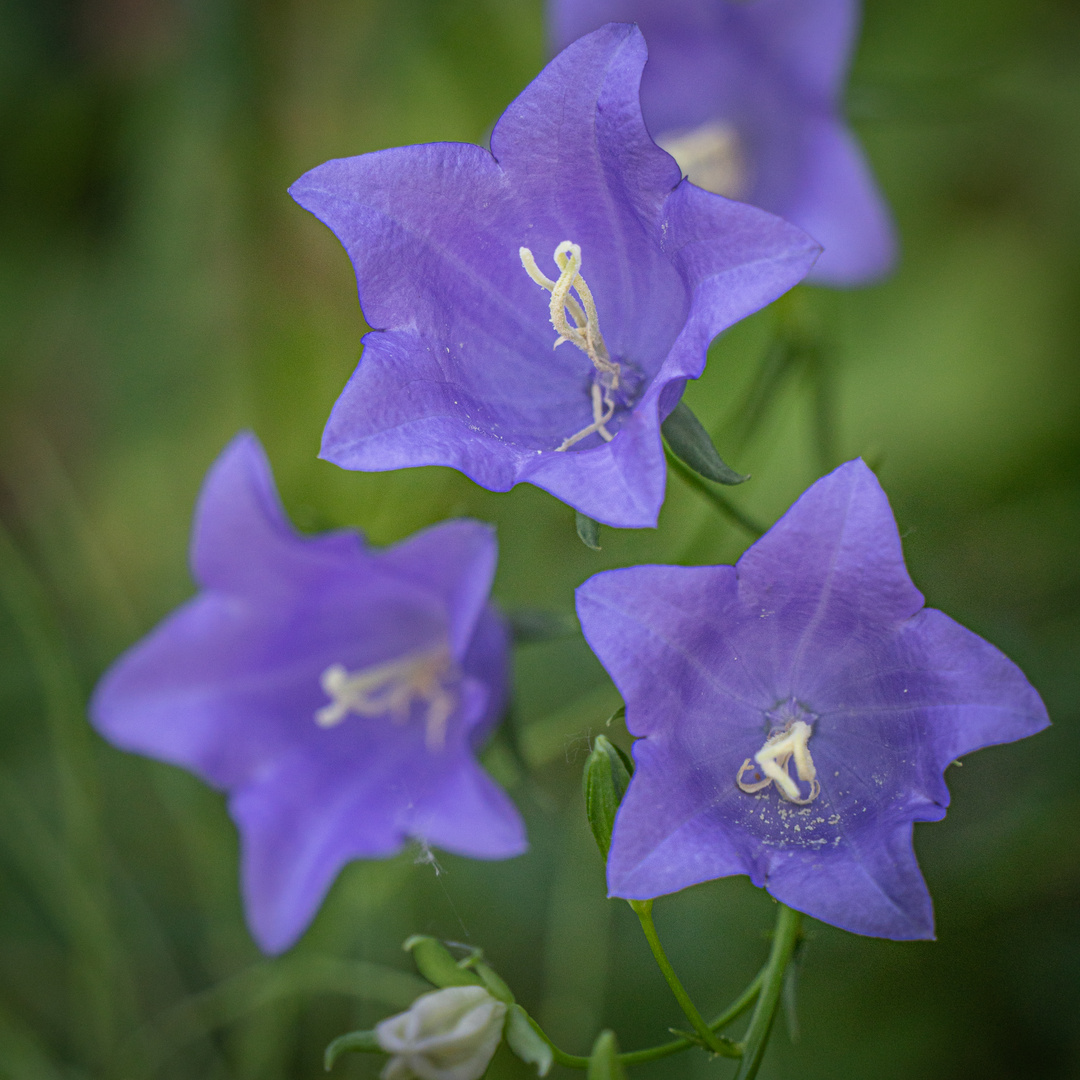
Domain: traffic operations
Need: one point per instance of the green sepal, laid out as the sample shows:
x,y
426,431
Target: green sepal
x,y
604,1063
690,443
588,530
524,1040
493,983
529,624
363,1042
434,962
604,782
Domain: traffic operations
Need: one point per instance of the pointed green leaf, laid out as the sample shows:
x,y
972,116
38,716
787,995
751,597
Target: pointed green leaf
x,y
604,1063
604,782
690,443
524,1040
588,530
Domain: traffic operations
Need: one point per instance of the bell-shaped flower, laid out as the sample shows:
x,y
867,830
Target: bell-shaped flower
x,y
575,231
747,95
449,1034
338,694
797,712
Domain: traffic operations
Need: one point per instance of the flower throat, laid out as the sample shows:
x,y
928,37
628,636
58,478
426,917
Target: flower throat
x,y
392,689
585,333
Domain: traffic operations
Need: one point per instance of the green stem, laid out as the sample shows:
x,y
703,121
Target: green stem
x,y
654,1053
732,1012
785,938
643,910
719,501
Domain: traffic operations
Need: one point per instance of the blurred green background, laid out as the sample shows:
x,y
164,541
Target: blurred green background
x,y
159,291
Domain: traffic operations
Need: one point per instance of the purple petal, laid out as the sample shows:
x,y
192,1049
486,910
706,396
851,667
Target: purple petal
x,y
773,70
231,687
873,887
827,576
455,560
241,534
818,623
839,204
663,844
462,371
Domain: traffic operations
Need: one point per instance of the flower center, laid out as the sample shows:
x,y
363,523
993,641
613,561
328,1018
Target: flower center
x,y
711,156
786,743
391,689
585,333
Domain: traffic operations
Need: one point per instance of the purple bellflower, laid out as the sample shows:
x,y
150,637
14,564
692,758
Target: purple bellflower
x,y
338,694
747,97
466,260
796,712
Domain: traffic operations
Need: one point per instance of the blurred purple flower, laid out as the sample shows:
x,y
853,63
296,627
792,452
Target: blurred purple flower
x,y
450,242
338,694
798,712
748,98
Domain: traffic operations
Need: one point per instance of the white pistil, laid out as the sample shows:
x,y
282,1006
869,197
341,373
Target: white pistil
x,y
772,759
391,689
585,333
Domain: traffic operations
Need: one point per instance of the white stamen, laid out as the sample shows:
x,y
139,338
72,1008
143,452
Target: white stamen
x,y
585,333
391,689
772,759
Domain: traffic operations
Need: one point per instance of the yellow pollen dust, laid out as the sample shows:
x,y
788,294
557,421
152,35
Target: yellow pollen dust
x,y
391,689
772,761
584,333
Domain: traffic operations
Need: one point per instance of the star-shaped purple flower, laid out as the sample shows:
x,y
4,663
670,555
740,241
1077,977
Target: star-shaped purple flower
x,y
748,97
574,230
338,694
797,712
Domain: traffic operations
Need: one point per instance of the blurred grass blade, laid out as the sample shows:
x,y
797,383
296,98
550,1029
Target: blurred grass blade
x,y
96,956
269,982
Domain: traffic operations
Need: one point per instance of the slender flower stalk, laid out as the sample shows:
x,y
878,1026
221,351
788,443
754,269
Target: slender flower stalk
x,y
643,910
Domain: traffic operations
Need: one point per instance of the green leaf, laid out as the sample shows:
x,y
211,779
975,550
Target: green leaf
x,y
604,782
690,443
588,530
363,1042
525,1041
604,1063
434,962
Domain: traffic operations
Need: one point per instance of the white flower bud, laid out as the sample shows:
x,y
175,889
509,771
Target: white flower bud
x,y
449,1034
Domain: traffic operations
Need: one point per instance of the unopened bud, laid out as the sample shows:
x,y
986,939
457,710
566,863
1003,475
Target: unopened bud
x,y
607,775
604,1063
449,1034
